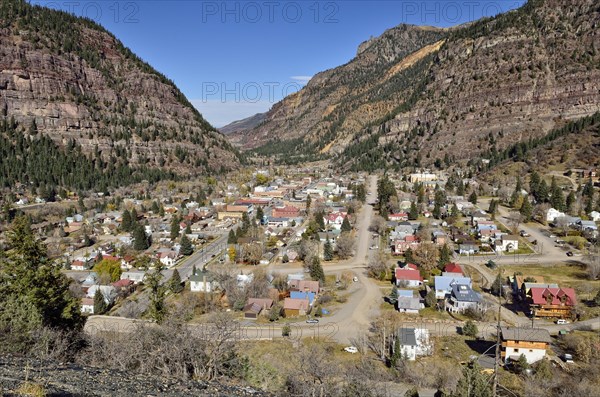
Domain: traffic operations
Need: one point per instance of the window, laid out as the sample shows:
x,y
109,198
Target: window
x,y
516,350
530,350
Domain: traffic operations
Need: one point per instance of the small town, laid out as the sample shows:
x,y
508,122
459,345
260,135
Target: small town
x,y
300,199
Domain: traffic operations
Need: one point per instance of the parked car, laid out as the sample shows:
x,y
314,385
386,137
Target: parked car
x,y
561,321
568,358
569,253
351,349
312,321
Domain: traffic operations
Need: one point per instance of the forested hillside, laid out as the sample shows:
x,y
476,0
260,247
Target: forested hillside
x,y
68,80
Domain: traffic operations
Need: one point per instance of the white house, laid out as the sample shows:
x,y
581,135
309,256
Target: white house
x,y
202,282
531,342
595,216
168,258
137,276
552,214
87,305
408,277
108,292
414,342
507,243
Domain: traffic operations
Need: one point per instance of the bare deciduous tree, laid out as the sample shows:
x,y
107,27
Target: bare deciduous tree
x,y
345,246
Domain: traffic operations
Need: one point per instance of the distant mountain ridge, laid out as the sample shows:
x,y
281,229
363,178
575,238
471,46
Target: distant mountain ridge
x,y
243,125
415,95
69,79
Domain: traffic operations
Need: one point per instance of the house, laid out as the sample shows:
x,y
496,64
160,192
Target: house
x,y
295,307
588,226
286,212
468,248
398,217
552,214
408,277
308,286
202,282
301,295
402,245
168,258
552,302
414,342
81,264
108,292
137,276
531,342
478,216
507,243
455,269
87,305
255,306
462,297
443,284
409,305
595,216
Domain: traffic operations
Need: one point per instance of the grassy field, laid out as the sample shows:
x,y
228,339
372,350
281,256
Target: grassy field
x,y
570,275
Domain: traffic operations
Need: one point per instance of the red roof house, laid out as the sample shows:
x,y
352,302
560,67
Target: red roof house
x,y
552,302
408,277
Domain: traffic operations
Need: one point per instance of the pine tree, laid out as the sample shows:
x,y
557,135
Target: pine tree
x,y
175,284
231,239
557,199
155,208
526,210
308,203
413,213
393,297
316,270
470,329
408,255
346,227
328,250
259,214
175,228
188,229
100,305
473,197
157,309
430,299
126,221
445,255
140,240
186,246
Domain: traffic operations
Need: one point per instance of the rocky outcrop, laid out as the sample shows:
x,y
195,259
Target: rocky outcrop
x,y
74,80
490,84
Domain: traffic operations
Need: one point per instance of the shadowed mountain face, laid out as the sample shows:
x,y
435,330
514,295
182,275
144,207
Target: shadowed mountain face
x,y
414,95
69,79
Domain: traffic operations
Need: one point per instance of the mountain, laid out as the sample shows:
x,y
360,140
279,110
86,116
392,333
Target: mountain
x,y
243,125
68,80
452,94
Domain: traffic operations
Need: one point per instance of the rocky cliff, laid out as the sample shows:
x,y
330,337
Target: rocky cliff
x,y
414,95
69,79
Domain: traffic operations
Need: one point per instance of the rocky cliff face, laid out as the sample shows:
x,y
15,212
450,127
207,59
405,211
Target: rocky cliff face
x,y
461,92
70,79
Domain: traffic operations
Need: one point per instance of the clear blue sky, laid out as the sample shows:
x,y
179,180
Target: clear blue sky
x,y
233,59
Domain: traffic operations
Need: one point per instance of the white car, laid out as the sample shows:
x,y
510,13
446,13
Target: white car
x,y
351,349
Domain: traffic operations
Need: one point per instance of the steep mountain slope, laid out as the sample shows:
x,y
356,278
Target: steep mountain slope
x,y
339,102
69,79
243,125
476,87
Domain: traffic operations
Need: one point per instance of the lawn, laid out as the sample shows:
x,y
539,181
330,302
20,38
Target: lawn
x,y
569,275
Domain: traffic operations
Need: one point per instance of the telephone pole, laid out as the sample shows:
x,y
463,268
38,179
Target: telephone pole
x,y
498,340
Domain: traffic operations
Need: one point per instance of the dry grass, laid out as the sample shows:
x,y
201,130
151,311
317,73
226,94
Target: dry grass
x,y
31,389
571,275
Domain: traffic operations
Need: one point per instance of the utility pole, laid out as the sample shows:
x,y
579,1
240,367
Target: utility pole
x,y
498,340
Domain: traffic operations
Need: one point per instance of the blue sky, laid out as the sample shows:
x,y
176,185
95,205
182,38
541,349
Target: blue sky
x,y
233,59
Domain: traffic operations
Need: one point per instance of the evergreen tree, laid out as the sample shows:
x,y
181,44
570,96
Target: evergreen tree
x,y
35,293
346,227
534,183
437,212
100,305
245,223
175,228
473,197
526,210
175,284
308,203
126,221
316,270
408,255
570,201
393,297
140,240
430,299
155,208
186,246
413,213
328,250
521,365
134,217
557,199
445,255
259,214
470,329
232,238
474,383
188,229
542,192
157,309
